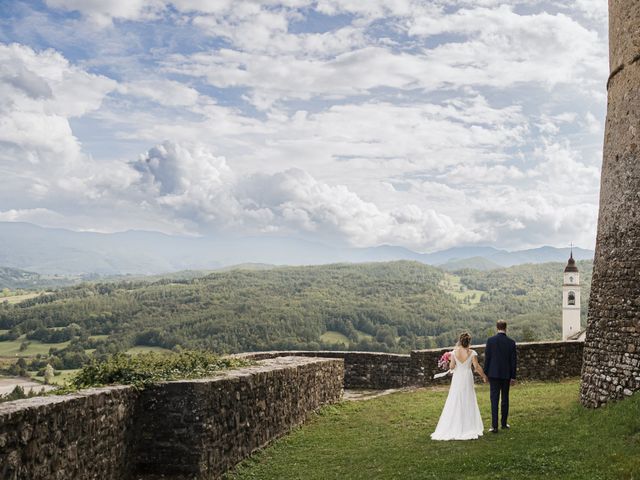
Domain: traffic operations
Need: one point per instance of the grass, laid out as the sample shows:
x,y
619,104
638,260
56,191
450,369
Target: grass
x,y
144,349
11,348
552,437
453,286
61,378
99,337
331,336
363,335
13,299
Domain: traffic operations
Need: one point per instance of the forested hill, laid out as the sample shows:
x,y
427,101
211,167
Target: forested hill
x,y
392,306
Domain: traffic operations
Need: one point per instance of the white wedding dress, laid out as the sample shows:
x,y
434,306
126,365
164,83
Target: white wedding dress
x,y
460,418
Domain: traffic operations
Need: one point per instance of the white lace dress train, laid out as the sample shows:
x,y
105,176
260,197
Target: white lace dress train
x,y
460,418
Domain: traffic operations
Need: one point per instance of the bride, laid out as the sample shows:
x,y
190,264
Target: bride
x,y
460,418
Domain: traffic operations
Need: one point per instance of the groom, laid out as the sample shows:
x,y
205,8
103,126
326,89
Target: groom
x,y
500,366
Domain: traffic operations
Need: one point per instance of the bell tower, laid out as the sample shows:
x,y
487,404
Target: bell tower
x,y
571,300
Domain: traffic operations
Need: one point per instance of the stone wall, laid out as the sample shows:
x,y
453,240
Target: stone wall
x,y
194,429
373,370
612,346
536,361
202,428
80,436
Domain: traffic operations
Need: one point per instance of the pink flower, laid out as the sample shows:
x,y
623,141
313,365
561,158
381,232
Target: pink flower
x,y
443,363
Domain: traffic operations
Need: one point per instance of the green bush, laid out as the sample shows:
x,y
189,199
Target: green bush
x,y
148,368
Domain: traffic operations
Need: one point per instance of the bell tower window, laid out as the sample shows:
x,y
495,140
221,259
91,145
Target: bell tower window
x,y
571,298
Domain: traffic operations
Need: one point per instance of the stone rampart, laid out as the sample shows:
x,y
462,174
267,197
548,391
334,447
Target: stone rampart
x,y
81,436
202,428
195,429
536,361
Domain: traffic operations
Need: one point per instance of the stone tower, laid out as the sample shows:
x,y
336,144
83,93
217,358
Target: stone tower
x,y
611,366
571,300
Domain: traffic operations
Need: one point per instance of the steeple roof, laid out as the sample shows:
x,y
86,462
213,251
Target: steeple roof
x,y
571,265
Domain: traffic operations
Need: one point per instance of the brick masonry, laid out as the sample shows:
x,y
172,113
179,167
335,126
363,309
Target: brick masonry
x,y
612,346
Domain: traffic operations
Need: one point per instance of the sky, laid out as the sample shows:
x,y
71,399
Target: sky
x,y
423,124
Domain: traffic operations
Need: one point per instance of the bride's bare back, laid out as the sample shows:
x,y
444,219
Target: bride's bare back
x,y
462,354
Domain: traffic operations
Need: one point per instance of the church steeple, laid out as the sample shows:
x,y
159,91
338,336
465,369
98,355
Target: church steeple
x,y
571,300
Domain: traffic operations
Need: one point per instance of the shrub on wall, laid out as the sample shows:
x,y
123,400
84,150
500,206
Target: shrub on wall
x,y
148,368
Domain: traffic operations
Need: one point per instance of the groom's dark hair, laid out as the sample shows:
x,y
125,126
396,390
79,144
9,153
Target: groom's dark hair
x,y
501,325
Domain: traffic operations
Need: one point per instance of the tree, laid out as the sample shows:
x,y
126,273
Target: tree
x,y
48,374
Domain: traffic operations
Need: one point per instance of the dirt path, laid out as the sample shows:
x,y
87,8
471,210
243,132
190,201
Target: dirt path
x,y
7,384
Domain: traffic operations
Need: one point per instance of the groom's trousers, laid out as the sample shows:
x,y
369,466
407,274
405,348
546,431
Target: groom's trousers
x,y
499,387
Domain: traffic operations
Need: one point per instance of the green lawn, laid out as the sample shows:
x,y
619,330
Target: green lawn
x,y
552,437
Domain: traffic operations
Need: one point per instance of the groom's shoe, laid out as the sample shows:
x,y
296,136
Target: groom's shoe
x,y
493,430
506,426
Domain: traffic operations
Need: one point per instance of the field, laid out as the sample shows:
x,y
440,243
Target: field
x,y
61,378
13,299
334,337
143,349
552,436
454,286
11,348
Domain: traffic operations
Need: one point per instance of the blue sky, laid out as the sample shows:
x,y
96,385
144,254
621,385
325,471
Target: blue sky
x,y
426,124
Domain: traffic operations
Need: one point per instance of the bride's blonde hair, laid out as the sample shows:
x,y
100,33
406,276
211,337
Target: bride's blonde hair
x,y
464,340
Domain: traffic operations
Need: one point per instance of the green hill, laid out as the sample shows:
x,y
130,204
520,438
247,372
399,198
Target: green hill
x,y
395,306
17,279
474,263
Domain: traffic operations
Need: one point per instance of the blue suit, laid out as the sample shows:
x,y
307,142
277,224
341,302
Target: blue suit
x,y
500,362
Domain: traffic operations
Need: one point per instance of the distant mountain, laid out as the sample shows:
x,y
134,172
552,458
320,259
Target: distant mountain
x,y
504,258
474,263
14,279
54,251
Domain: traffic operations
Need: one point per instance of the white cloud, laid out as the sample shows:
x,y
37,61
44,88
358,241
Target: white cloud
x,y
39,93
200,189
425,124
501,48
102,12
164,92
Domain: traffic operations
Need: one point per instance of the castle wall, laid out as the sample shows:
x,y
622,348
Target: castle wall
x,y
201,428
81,436
536,361
194,429
612,347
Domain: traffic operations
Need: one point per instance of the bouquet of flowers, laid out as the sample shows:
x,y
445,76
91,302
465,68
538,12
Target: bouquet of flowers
x,y
443,363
